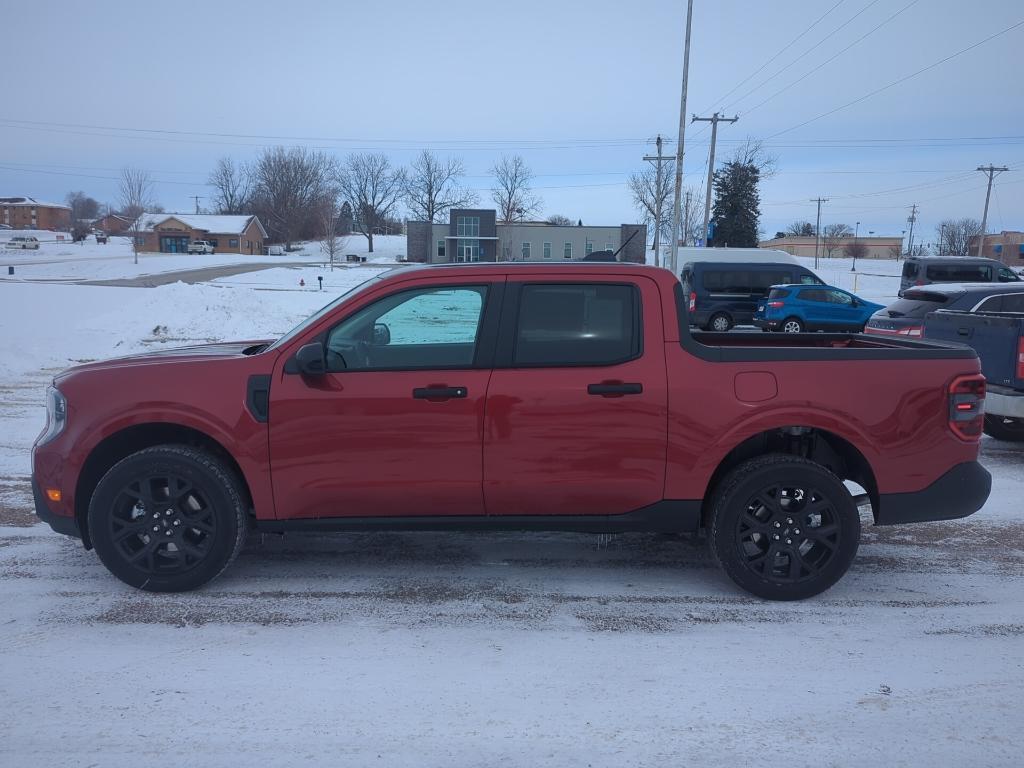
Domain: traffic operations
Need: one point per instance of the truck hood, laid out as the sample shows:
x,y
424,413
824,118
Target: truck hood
x,y
196,353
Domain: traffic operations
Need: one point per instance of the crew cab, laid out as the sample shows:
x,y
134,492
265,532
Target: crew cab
x,y
200,246
996,333
513,396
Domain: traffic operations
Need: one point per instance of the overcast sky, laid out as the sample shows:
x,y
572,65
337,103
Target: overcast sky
x,y
580,89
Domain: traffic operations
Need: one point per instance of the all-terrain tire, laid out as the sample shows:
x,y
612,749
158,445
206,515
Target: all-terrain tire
x,y
168,518
783,527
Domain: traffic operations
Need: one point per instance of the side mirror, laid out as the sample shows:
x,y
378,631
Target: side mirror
x,y
855,302
381,334
311,359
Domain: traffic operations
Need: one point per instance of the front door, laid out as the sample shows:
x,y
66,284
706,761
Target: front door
x,y
394,428
576,406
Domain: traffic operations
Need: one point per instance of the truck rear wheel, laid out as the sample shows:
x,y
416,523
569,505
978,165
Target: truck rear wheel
x,y
783,527
167,519
1001,428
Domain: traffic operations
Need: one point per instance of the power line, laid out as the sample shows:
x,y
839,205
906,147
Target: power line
x,y
900,80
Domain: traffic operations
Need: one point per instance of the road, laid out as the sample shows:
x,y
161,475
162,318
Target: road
x,y
198,275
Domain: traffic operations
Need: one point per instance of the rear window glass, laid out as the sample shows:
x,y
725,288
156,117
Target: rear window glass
x,y
778,293
917,304
959,273
910,269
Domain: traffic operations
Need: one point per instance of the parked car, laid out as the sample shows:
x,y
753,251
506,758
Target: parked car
x,y
275,250
101,237
905,316
723,294
27,242
6,226
200,246
919,271
513,396
998,338
798,308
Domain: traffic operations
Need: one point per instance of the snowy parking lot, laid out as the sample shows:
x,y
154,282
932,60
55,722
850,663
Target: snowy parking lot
x,y
410,649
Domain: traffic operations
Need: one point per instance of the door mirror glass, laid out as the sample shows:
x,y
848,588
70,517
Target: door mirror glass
x,y
381,334
310,359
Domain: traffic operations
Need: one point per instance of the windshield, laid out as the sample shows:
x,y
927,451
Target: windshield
x,y
312,319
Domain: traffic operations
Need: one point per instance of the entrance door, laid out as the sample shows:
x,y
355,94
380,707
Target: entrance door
x,y
394,428
576,406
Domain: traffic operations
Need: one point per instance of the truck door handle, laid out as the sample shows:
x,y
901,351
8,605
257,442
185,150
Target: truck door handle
x,y
614,389
439,393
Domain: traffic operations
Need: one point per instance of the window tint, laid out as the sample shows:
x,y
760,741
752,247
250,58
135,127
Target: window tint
x,y
959,273
993,304
814,294
809,279
422,328
1008,276
1013,303
910,269
917,304
581,324
839,297
778,293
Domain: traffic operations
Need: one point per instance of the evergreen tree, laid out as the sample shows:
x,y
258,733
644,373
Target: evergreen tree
x,y
737,208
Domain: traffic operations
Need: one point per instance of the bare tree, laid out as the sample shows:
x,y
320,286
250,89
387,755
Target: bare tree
x,y
232,183
800,229
856,250
432,187
835,237
895,251
136,192
511,191
287,186
374,189
752,152
83,207
558,220
953,236
646,195
332,242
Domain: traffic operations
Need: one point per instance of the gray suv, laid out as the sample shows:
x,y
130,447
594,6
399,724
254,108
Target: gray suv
x,y
905,317
954,269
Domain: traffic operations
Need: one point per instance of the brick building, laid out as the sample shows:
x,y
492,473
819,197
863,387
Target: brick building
x,y
172,232
1007,247
473,234
29,213
113,224
876,247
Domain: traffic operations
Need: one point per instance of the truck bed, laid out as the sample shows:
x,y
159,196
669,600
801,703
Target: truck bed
x,y
995,336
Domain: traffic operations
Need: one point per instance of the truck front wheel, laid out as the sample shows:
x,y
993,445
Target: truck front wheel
x,y
783,527
168,518
1002,428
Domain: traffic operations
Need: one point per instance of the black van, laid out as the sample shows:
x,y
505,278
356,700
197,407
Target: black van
x,y
724,294
954,269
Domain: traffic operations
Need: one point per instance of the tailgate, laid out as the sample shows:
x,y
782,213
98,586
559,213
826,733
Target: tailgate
x,y
996,337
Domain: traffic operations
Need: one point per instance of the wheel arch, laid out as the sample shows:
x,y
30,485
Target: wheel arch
x,y
832,451
137,437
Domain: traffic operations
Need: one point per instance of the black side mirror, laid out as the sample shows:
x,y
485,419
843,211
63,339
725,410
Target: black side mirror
x,y
311,359
381,334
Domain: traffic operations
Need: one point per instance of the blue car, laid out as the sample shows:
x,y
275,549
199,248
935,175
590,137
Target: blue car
x,y
797,308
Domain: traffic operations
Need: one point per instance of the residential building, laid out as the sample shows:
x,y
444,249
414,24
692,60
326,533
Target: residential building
x,y
473,234
172,232
1007,246
113,224
29,213
876,247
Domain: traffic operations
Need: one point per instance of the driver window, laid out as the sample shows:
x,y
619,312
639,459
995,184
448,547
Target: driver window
x,y
417,329
838,297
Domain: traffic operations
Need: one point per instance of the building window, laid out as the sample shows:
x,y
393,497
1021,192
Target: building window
x,y
608,246
526,251
567,251
589,247
440,249
467,226
466,250
547,250
232,243
213,241
140,240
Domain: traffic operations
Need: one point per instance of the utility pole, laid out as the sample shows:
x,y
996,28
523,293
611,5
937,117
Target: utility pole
x,y
817,228
658,160
715,119
856,234
911,220
991,172
674,240
686,219
197,198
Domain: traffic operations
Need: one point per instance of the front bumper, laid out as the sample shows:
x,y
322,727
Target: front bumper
x,y
960,492
65,525
1005,402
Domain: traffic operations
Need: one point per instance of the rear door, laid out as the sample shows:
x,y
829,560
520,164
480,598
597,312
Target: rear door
x,y
576,408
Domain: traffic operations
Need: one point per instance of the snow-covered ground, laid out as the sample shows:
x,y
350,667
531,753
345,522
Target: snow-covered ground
x,y
479,649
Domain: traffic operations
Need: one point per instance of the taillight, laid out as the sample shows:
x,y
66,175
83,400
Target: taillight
x,y
776,304
693,300
1020,358
912,330
967,406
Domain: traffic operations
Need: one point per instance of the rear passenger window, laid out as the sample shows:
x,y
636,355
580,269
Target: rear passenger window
x,y
995,304
1014,303
959,273
910,269
814,294
577,324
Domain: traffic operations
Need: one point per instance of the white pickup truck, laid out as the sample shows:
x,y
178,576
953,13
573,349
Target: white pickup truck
x,y
200,246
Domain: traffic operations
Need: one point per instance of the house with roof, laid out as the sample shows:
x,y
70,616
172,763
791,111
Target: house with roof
x,y
113,224
30,213
172,232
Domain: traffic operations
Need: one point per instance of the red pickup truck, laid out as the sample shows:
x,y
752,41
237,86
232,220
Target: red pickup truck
x,y
513,396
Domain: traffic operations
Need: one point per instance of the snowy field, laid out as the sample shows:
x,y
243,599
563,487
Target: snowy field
x,y
477,649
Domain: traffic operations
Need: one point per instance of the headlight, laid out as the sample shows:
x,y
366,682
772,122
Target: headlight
x,y
56,415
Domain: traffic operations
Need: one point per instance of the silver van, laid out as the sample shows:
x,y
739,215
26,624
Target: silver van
x,y
954,269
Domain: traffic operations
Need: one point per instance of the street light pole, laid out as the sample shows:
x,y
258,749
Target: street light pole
x,y
856,234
